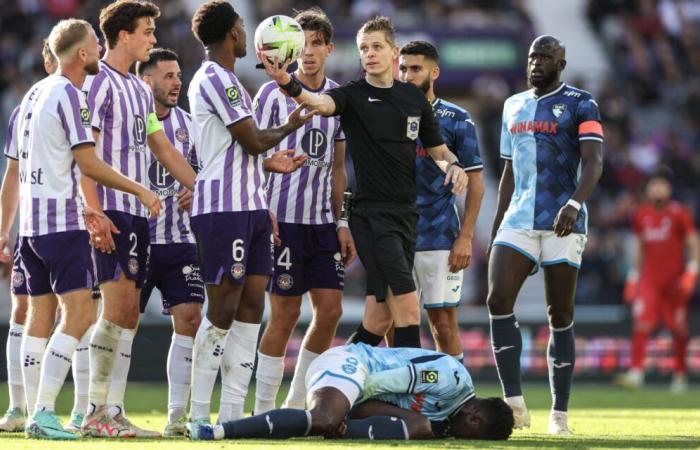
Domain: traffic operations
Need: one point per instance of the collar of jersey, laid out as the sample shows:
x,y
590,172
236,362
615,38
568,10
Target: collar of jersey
x,y
380,87
561,86
115,70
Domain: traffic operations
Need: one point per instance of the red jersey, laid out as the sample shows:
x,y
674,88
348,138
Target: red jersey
x,y
662,233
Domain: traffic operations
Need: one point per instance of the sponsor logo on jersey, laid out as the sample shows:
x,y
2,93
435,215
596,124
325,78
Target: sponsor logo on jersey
x,y
412,127
161,180
314,143
534,126
139,130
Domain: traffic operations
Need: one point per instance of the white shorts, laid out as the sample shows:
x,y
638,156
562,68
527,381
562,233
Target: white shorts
x,y
337,368
544,248
437,287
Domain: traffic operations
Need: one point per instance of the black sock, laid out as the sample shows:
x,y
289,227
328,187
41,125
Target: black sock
x,y
275,424
365,337
376,428
507,345
561,356
407,336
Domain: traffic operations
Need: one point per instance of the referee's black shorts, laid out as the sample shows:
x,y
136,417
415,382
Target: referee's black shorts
x,y
385,237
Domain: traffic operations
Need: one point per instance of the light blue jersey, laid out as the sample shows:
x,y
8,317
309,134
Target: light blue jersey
x,y
431,383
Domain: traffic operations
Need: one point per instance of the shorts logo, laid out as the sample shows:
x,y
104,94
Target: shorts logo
x,y
412,127
558,109
429,376
234,97
133,266
17,279
237,270
182,135
285,281
85,117
192,274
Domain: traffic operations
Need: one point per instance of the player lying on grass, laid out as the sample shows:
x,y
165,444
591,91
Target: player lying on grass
x,y
362,392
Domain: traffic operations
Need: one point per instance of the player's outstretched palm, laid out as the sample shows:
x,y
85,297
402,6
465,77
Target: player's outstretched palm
x,y
565,220
297,119
284,161
151,201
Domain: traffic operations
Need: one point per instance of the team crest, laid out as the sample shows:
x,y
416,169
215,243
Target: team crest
x,y
237,270
17,279
429,376
133,266
181,135
234,97
412,127
285,281
558,109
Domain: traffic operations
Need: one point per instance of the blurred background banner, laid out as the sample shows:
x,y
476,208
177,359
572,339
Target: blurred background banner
x,y
639,58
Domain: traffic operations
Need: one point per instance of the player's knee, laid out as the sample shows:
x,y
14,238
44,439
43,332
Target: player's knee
x,y
329,314
498,303
186,323
19,312
560,317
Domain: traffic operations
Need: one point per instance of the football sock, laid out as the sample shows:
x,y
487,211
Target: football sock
x,y
103,348
376,428
237,368
207,351
268,378
55,367
639,348
680,345
120,373
81,373
407,336
362,335
32,352
561,357
13,355
296,398
507,345
275,424
179,373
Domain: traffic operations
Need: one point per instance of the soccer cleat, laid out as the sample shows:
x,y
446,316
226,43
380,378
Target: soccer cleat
x,y
101,424
46,425
632,379
520,413
558,424
13,421
176,428
679,384
76,421
137,432
199,430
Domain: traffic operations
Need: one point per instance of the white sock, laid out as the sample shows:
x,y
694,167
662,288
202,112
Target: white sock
x,y
120,373
179,373
296,398
32,352
81,373
15,384
103,349
208,348
268,378
237,368
55,367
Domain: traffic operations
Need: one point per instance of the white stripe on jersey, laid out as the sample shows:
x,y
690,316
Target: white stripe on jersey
x,y
53,119
10,149
172,226
120,106
303,196
229,179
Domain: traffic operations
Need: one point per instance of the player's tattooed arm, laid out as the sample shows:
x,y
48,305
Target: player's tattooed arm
x,y
455,172
9,200
256,141
505,191
592,159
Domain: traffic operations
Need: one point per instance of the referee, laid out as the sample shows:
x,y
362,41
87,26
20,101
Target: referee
x,y
382,118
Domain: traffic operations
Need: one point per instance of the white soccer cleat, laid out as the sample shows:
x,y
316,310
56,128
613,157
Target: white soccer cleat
x,y
558,424
101,424
632,379
176,428
13,421
521,415
134,430
679,384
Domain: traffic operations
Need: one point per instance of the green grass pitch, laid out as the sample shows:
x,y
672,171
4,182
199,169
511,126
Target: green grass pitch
x,y
602,417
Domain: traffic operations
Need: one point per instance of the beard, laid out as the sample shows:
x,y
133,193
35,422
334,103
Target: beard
x,y
93,68
546,80
425,86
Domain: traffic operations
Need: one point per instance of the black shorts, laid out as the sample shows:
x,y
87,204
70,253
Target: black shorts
x,y
385,237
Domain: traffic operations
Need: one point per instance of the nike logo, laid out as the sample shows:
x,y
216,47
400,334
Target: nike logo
x,y
560,365
500,349
270,425
372,99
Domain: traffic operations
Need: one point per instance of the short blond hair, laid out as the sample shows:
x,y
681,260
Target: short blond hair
x,y
67,34
47,54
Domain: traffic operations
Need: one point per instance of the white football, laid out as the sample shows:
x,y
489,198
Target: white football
x,y
279,36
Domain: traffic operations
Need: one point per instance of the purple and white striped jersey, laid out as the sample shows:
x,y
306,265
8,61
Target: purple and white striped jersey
x,y
10,148
229,179
53,119
120,106
303,196
172,226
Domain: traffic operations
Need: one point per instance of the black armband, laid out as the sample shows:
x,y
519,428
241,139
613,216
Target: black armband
x,y
293,88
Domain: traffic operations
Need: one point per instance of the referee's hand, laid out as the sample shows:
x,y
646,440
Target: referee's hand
x,y
458,178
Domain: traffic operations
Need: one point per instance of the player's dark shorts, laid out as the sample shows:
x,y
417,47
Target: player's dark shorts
x,y
57,262
385,237
18,282
309,258
234,244
131,251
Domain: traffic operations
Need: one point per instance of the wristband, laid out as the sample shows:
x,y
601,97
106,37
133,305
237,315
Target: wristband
x,y
342,223
574,203
293,88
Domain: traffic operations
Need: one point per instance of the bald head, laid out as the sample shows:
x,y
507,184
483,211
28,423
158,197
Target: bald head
x,y
551,43
545,62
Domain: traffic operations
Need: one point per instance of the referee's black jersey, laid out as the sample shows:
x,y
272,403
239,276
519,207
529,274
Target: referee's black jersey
x,y
381,126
